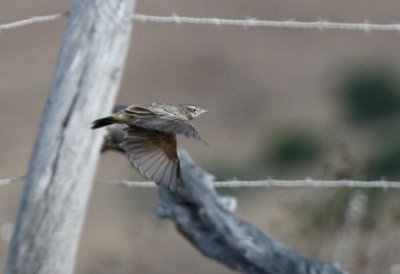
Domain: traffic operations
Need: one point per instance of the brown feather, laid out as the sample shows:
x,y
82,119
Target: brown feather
x,y
154,154
168,126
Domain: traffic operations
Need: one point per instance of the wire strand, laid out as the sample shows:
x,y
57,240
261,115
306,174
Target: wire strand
x,y
275,183
32,20
261,183
11,180
248,22
253,22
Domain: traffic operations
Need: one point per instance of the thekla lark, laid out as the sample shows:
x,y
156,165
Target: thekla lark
x,y
150,140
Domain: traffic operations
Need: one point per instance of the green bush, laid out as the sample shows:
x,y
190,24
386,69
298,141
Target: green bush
x,y
294,147
371,93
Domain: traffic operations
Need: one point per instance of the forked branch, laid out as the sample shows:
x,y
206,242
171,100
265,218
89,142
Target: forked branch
x,y
208,222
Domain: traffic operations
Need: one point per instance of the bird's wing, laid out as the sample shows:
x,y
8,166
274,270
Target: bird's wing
x,y
155,110
154,154
168,126
139,111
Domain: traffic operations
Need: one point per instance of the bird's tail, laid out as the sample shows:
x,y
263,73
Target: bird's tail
x,y
102,122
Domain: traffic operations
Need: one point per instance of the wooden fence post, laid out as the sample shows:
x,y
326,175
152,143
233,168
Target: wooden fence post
x,y
66,152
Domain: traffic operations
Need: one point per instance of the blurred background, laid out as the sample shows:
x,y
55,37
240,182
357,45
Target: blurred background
x,y
283,103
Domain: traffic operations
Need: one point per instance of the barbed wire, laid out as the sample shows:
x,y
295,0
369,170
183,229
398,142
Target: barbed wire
x,y
277,183
261,183
247,22
11,180
253,22
32,20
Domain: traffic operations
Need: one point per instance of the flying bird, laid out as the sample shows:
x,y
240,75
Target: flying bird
x,y
150,140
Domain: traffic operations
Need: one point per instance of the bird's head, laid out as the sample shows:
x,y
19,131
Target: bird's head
x,y
192,111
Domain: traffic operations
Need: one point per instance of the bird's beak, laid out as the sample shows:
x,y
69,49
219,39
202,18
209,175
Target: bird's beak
x,y
201,111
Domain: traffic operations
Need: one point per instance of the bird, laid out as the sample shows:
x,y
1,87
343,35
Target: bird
x,y
150,141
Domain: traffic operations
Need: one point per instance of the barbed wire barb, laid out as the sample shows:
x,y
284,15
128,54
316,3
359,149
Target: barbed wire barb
x,y
320,24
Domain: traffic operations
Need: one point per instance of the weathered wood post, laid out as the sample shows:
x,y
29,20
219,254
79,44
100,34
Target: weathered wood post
x,y
65,155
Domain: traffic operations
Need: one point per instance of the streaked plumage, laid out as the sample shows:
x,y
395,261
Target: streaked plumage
x,y
150,142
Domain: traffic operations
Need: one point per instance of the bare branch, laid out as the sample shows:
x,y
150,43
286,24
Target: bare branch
x,y
205,220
